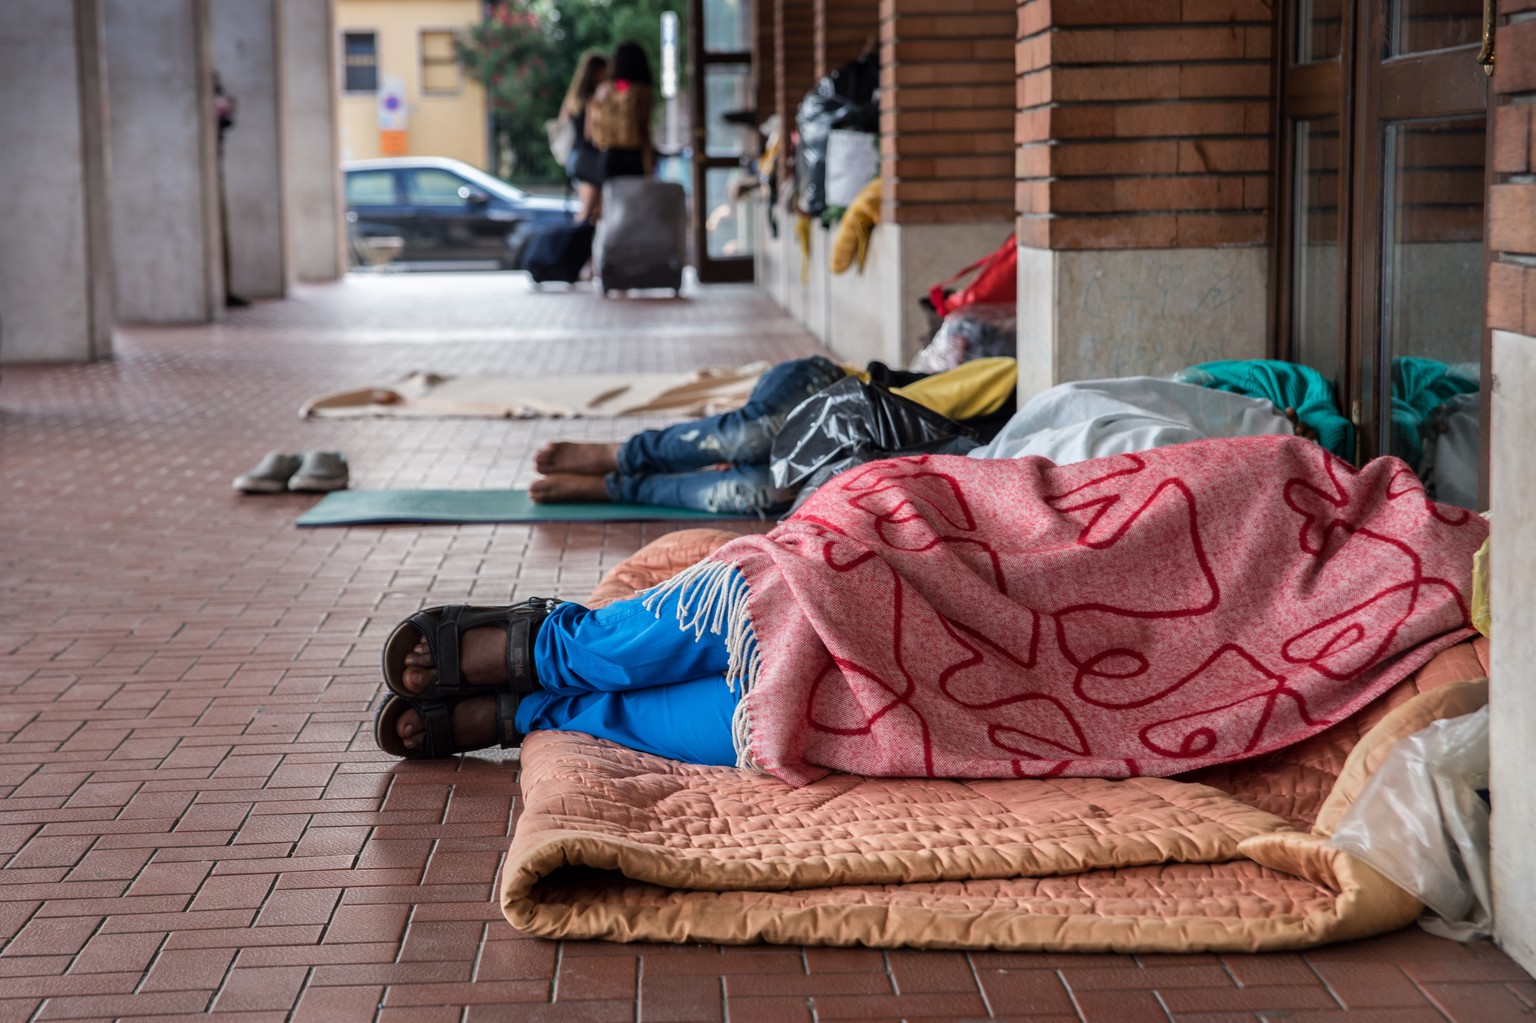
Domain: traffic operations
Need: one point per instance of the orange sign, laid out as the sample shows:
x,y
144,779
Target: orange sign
x,y
393,143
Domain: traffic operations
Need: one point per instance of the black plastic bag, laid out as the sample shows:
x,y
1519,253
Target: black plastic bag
x,y
851,423
843,99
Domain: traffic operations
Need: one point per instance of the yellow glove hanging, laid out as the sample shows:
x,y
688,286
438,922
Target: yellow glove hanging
x,y
859,220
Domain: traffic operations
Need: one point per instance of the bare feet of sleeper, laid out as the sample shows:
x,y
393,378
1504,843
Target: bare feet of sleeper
x,y
579,457
562,487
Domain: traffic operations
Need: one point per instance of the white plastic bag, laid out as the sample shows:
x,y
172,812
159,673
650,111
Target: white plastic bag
x,y
1422,822
853,161
974,332
562,138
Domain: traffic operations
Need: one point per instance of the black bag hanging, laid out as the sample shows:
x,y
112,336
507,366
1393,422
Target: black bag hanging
x,y
843,99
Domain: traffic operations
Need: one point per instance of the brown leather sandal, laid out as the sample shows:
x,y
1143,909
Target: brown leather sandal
x,y
442,627
437,739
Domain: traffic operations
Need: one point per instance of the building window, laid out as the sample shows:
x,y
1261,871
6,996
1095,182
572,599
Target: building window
x,y
360,62
439,67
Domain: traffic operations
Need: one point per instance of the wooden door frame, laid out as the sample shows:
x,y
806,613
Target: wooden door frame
x,y
1363,90
711,269
1306,92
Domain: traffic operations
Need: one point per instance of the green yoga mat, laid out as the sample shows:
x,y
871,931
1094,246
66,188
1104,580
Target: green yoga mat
x,y
360,507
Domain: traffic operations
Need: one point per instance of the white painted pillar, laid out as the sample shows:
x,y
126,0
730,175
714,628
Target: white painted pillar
x,y
164,184
245,55
312,199
1512,476
55,263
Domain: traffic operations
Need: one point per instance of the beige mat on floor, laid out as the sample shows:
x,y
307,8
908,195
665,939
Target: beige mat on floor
x,y
432,395
624,846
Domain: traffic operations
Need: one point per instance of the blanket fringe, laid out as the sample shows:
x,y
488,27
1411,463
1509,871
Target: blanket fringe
x,y
712,597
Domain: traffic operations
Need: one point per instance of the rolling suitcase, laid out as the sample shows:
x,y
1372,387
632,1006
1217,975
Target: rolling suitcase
x,y
642,240
556,251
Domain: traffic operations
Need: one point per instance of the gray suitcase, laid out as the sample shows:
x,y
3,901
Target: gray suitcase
x,y
642,238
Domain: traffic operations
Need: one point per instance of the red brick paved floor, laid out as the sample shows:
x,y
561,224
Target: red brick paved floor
x,y
194,817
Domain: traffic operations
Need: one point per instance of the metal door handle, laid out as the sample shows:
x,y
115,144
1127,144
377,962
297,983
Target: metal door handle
x,y
1485,55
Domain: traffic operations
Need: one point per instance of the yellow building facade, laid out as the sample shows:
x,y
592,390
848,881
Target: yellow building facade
x,y
402,93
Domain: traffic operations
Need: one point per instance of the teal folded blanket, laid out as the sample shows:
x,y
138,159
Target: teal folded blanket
x,y
1286,385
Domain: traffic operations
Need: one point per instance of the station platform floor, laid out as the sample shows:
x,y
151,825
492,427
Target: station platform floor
x,y
195,819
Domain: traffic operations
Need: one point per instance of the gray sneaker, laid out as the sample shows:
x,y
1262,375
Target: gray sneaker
x,y
320,470
271,476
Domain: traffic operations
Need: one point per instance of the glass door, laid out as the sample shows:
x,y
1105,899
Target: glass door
x,y
1382,139
720,84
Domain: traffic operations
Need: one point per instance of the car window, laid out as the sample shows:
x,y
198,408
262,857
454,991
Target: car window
x,y
371,188
431,186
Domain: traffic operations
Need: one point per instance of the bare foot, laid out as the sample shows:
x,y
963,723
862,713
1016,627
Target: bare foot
x,y
473,721
560,488
482,660
586,459
1301,429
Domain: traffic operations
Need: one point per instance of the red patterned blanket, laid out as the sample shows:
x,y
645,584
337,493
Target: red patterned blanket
x,y
1142,614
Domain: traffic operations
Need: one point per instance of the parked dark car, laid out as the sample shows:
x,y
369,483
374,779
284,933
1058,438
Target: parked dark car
x,y
440,209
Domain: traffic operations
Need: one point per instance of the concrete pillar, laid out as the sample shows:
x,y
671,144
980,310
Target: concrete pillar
x,y
312,204
55,263
1512,475
164,186
245,55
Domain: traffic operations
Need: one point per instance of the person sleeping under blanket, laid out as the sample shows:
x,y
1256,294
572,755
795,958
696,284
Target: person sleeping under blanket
x,y
721,463
1144,613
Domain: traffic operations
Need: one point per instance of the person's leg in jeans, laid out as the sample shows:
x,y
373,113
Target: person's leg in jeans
x,y
623,672
741,437
745,490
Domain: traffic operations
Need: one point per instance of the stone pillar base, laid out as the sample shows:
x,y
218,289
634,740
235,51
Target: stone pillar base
x,y
1138,312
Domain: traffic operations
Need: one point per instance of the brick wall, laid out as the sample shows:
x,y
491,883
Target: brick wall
x,y
765,78
946,110
794,56
1143,123
843,28
1512,198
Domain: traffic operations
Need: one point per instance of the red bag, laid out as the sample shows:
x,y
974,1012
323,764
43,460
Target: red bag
x,y
996,282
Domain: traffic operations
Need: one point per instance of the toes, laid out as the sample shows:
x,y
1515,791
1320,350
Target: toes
x,y
417,679
419,669
408,728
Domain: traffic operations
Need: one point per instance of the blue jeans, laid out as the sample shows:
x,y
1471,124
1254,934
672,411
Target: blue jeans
x,y
620,672
720,464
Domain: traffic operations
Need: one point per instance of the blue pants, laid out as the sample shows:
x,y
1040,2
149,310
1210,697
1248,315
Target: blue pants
x,y
682,465
620,672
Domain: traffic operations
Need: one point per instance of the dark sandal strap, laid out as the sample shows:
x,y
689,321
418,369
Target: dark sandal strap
x,y
442,631
520,622
506,719
437,729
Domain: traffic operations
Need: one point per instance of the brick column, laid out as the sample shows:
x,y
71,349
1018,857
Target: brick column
x,y
843,29
946,110
1512,473
765,78
1151,135
794,60
1141,125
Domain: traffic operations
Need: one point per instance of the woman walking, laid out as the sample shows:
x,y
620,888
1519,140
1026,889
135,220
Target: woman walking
x,y
584,166
619,116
